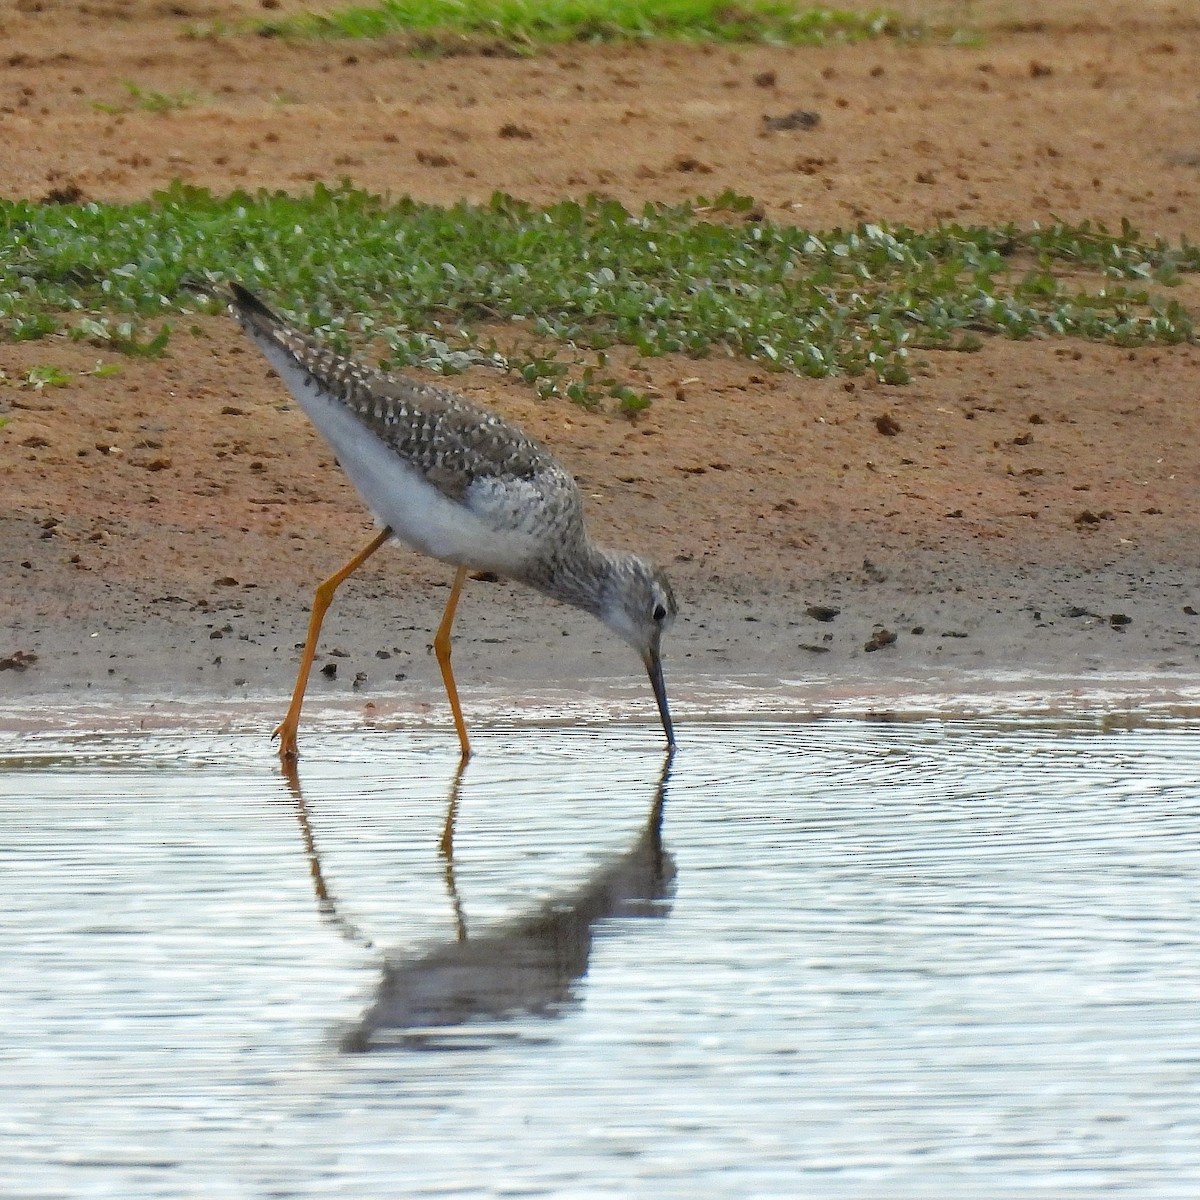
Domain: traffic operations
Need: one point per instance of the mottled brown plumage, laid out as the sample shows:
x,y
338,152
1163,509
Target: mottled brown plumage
x,y
449,439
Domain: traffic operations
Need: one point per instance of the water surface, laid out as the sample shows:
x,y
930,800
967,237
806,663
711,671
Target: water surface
x,y
835,958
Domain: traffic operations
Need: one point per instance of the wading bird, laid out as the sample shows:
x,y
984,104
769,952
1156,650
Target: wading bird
x,y
461,484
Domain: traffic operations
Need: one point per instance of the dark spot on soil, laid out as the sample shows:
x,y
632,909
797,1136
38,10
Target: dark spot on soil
x,y
880,638
822,612
798,118
70,193
811,164
19,660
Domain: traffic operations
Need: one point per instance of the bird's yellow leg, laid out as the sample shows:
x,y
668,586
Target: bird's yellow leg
x,y
441,647
322,598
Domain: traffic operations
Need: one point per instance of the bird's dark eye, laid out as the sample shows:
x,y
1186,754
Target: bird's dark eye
x,y
660,613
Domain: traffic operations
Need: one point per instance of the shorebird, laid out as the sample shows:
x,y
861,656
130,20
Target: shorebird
x,y
460,483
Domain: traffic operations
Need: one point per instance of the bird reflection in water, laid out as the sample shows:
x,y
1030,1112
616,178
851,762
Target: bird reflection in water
x,y
528,966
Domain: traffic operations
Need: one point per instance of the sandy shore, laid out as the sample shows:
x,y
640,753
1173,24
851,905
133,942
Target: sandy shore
x,y
1033,513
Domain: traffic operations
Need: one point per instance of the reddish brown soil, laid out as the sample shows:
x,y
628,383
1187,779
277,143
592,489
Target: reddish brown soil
x,y
181,510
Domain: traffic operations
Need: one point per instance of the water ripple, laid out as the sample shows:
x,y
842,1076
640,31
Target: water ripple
x,y
924,958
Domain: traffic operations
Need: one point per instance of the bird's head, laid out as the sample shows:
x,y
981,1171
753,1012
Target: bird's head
x,y
637,604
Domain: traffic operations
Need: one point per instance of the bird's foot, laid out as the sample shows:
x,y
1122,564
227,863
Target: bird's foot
x,y
285,731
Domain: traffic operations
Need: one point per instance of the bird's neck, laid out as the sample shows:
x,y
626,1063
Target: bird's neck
x,y
578,576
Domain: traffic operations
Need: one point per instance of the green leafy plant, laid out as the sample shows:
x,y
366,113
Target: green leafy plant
x,y
103,370
528,22
545,292
48,375
147,100
123,337
45,376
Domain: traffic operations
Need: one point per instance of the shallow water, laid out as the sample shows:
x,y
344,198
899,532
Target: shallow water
x,y
857,959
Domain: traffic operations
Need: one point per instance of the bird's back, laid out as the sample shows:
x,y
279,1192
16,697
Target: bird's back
x,y
451,477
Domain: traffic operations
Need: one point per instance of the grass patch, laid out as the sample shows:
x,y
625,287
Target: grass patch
x,y
46,375
147,100
546,292
528,22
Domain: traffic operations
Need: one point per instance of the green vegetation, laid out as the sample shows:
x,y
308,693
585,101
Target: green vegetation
x,y
527,22
123,337
147,100
45,375
547,293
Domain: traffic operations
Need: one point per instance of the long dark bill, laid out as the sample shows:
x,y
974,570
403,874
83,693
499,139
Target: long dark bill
x,y
654,669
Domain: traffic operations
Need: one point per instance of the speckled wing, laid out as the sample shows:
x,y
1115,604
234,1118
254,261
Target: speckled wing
x,y
462,449
449,440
